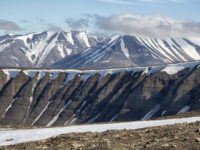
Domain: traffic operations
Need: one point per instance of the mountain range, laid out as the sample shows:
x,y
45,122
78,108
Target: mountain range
x,y
81,49
43,49
128,51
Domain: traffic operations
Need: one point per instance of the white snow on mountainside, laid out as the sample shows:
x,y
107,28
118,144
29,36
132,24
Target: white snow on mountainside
x,y
10,136
128,50
81,49
169,69
44,48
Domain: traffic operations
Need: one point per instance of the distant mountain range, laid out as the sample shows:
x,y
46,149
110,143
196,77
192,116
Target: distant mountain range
x,y
80,49
43,49
126,51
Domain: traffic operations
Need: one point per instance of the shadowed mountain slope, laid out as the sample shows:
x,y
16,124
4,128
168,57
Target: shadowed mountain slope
x,y
60,97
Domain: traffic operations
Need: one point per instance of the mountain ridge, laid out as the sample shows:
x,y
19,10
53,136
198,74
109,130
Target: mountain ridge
x,y
126,51
81,49
43,48
70,96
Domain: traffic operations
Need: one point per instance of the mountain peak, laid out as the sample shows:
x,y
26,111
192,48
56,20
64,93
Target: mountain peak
x,y
82,49
134,50
42,49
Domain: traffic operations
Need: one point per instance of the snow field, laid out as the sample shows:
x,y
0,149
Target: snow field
x,y
10,136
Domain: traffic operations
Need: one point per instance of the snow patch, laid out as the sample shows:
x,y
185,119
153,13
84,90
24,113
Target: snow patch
x,y
15,58
61,50
113,38
151,112
69,51
175,68
163,113
83,37
41,75
54,74
113,118
3,46
30,73
70,76
41,113
26,135
9,107
154,69
184,109
85,77
46,48
56,117
93,119
11,73
84,102
69,38
188,49
124,49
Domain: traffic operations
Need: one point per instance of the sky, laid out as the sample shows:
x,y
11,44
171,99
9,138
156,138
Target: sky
x,y
146,17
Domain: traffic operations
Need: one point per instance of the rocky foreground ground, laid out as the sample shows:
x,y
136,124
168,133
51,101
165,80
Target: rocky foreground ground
x,y
179,136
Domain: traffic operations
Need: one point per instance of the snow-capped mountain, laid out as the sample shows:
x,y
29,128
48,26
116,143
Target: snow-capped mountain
x,y
80,49
42,49
124,51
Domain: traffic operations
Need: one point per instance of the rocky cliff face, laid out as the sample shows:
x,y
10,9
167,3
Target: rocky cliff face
x,y
60,97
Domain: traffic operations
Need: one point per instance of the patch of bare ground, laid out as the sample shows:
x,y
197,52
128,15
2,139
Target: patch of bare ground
x,y
172,137
181,115
193,113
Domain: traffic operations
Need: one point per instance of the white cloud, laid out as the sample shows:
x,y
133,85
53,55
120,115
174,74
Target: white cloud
x,y
6,25
77,23
148,25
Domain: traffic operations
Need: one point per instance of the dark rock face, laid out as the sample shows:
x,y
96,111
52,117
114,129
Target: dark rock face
x,y
10,91
3,79
81,97
16,115
47,95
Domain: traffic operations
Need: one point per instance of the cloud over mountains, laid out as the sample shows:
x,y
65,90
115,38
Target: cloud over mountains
x,y
146,25
6,25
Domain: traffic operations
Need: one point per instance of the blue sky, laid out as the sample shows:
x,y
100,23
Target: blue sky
x,y
23,16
